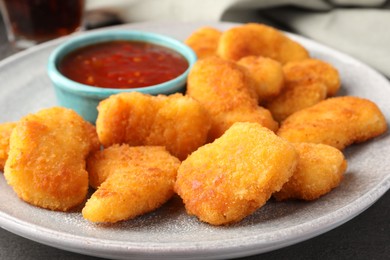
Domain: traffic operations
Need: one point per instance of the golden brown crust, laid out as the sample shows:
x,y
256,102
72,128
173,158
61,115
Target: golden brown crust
x,y
101,164
294,98
337,122
225,90
130,181
259,40
204,41
177,122
225,181
307,82
46,163
5,134
266,73
311,71
320,169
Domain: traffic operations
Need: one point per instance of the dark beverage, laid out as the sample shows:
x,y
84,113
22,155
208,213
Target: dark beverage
x,y
41,20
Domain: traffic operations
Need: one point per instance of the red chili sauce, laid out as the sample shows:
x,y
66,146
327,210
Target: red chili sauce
x,y
123,64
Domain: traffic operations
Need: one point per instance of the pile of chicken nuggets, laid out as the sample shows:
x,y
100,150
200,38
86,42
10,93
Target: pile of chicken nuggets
x,y
260,119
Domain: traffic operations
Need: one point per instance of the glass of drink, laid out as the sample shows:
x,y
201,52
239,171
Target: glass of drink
x,y
29,22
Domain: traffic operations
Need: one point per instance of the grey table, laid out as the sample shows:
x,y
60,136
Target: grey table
x,y
367,236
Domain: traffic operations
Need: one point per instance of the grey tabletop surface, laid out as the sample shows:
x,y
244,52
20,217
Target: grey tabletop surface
x,y
366,236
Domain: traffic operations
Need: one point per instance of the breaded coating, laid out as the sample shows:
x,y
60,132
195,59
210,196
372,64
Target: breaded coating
x,y
46,162
309,71
120,157
225,90
177,122
227,180
307,82
294,98
131,181
204,41
337,122
320,169
259,40
5,133
266,73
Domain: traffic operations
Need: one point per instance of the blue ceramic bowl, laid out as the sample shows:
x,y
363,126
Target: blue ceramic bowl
x,y
83,98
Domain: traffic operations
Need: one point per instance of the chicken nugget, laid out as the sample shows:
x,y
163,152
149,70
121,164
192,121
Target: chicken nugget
x,y
227,180
102,163
177,122
266,73
204,41
131,181
294,98
225,90
338,122
46,161
311,71
320,169
5,133
259,40
307,82
125,118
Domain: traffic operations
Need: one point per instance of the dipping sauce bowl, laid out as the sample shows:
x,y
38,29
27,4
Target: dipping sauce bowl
x,y
92,66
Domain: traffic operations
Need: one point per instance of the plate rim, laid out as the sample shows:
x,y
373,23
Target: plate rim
x,y
119,250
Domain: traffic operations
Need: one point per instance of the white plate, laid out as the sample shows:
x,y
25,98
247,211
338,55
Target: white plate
x,y
168,232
